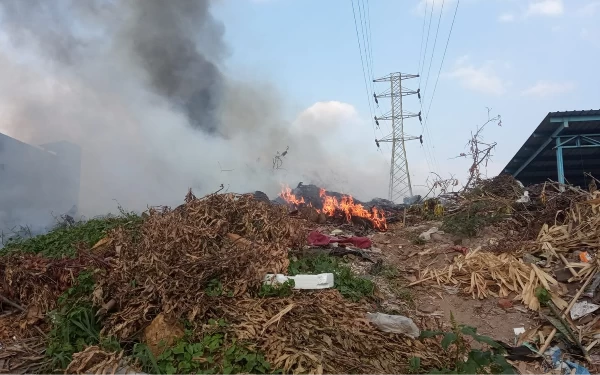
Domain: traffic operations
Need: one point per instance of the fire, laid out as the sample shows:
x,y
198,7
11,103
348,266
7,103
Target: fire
x,y
350,209
289,197
345,206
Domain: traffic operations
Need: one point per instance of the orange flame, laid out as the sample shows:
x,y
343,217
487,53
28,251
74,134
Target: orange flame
x,y
331,205
350,209
289,197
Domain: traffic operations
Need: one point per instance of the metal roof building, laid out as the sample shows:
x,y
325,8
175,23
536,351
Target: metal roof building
x,y
563,147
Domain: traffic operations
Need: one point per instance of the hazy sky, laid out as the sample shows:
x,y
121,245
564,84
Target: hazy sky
x,y
522,58
293,77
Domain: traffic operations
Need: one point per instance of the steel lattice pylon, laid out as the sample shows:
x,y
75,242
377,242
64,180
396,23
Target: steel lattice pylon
x,y
400,185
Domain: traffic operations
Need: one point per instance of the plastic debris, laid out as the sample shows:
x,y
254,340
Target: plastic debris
x,y
395,324
427,234
525,198
585,257
590,291
583,308
519,330
320,281
567,367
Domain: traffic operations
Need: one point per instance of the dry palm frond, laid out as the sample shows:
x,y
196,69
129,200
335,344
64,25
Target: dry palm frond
x,y
485,274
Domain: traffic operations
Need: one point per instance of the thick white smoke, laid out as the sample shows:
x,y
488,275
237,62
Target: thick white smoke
x,y
152,111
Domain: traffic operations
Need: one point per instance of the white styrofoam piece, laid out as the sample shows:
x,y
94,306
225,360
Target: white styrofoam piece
x,y
583,308
519,330
320,281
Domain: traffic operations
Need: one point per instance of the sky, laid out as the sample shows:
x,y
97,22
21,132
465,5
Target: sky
x,y
521,58
289,74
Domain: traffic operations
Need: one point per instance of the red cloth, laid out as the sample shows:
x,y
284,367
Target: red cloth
x,y
319,239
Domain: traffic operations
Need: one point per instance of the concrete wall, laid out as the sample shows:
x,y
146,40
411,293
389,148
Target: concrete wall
x,y
37,182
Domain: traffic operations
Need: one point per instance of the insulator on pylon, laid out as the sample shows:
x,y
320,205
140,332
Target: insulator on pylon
x,y
376,121
419,93
375,96
420,119
377,143
421,138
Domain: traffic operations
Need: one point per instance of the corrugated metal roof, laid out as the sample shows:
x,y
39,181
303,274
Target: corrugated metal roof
x,y
543,167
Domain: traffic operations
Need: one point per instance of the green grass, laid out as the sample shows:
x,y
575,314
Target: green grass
x,y
214,353
62,240
350,285
468,223
74,324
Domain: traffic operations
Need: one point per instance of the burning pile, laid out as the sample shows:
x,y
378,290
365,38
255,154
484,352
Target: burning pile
x,y
205,261
343,208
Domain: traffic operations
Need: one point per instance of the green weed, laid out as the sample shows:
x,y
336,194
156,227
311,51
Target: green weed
x,y
350,286
62,239
473,361
468,223
211,355
74,324
277,290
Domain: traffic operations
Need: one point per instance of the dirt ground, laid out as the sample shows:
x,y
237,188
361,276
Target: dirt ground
x,y
437,302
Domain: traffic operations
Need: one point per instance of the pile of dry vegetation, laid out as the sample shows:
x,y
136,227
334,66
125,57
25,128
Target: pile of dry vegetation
x,y
198,269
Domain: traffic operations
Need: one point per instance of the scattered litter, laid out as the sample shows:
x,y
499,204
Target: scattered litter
x,y
316,238
525,198
519,330
395,324
583,308
461,249
591,290
320,281
337,232
566,367
426,236
585,257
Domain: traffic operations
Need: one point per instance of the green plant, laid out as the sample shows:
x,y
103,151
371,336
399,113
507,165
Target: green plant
x,y
214,288
74,324
350,286
471,361
476,216
62,240
277,290
210,355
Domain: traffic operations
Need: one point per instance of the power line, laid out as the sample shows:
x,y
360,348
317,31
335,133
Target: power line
x,y
442,63
422,37
363,68
370,39
427,148
427,40
433,50
367,47
429,75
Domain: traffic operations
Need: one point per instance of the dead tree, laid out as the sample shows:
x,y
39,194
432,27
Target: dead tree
x,y
278,159
480,152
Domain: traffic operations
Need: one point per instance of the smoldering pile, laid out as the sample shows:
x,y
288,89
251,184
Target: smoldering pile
x,y
321,206
206,260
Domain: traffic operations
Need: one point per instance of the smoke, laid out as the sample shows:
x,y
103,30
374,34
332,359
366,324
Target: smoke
x,y
139,86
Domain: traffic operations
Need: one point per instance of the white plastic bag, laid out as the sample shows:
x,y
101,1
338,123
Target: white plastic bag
x,y
395,324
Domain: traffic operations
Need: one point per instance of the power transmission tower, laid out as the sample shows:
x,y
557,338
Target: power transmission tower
x,y
400,184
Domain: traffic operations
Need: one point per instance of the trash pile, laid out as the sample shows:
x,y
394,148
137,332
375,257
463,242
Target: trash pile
x,y
554,271
190,284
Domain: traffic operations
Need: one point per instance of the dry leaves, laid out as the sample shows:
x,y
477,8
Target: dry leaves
x,y
484,274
